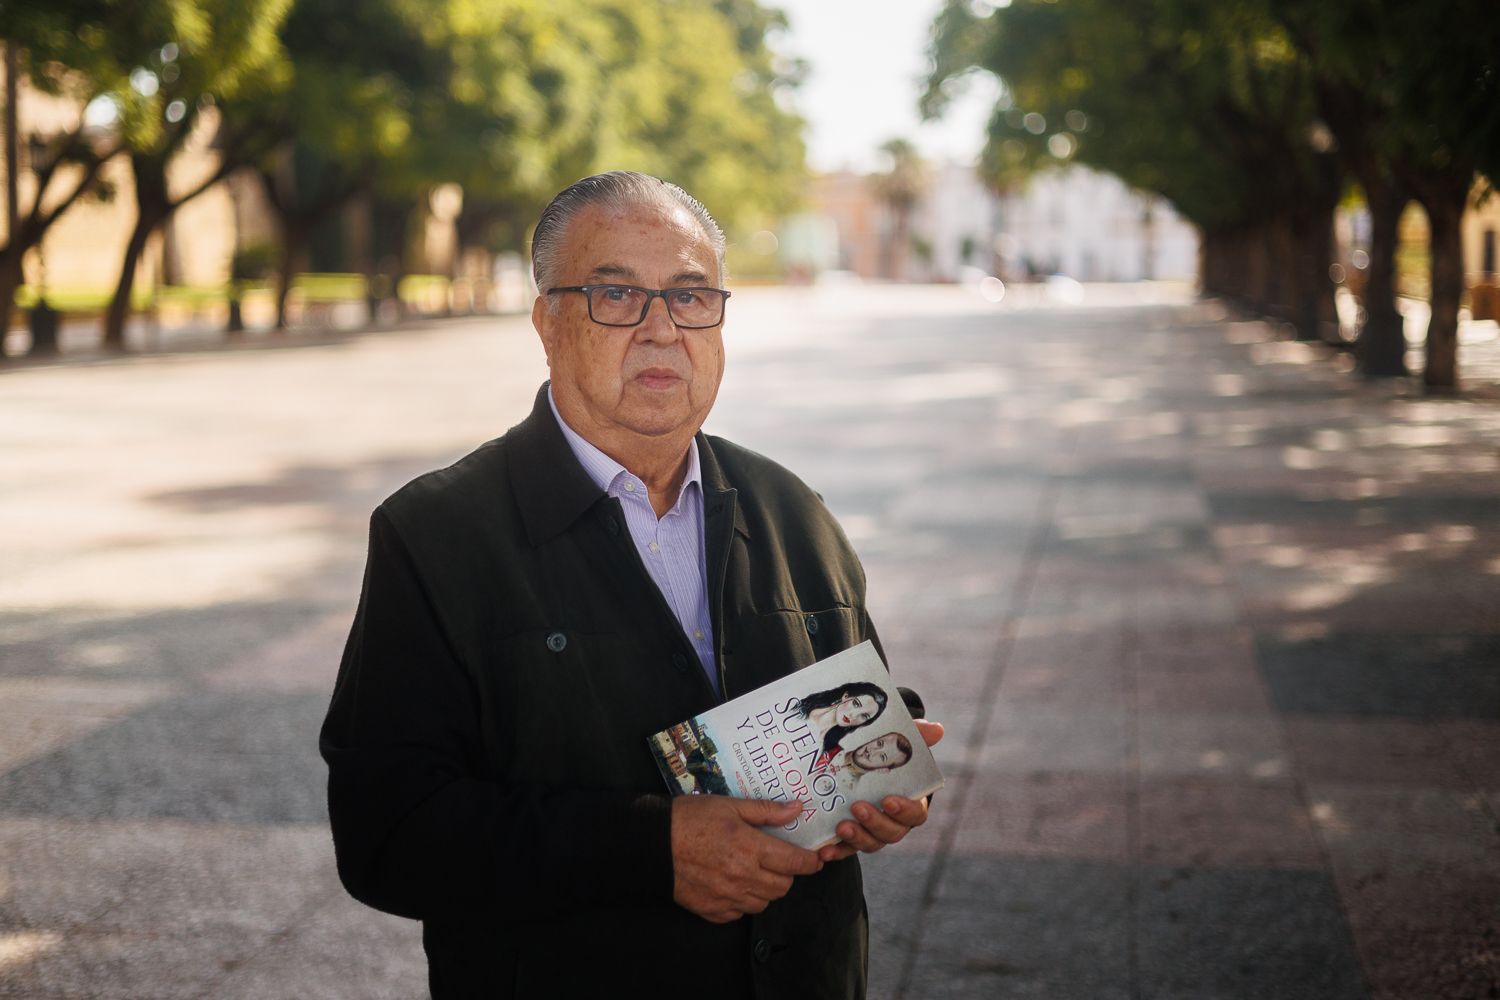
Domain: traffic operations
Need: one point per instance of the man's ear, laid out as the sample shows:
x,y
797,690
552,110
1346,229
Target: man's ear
x,y
544,320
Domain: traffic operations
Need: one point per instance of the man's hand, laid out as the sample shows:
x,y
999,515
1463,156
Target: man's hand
x,y
723,866
872,828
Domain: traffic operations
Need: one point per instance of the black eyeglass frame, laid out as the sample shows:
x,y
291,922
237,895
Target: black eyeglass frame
x,y
651,293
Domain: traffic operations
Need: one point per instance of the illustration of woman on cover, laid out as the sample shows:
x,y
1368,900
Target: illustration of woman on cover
x,y
840,711
884,753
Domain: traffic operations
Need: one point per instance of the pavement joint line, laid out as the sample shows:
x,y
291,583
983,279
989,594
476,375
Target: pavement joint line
x,y
1036,547
1129,664
1299,787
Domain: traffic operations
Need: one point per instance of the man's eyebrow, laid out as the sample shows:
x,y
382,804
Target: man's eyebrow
x,y
619,271
612,271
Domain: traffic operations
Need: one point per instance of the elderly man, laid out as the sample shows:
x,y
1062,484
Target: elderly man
x,y
531,614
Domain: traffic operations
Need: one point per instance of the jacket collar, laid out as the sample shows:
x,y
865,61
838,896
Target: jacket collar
x,y
553,491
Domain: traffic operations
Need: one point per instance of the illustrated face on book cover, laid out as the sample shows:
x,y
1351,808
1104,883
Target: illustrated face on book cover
x,y
883,753
856,710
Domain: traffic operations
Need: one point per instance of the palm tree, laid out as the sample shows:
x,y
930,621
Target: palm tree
x,y
900,187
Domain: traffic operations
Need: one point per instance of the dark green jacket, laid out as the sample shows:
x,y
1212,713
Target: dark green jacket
x,y
488,767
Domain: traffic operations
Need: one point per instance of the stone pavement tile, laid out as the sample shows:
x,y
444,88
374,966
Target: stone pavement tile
x,y
159,877
306,660
1427,935
895,882
39,714
1233,643
1083,684
1026,737
342,950
1207,687
1210,744
1218,822
1045,814
1439,676
1405,830
1474,748
1217,934
1371,751
1121,500
1194,601
127,965
221,756
1042,928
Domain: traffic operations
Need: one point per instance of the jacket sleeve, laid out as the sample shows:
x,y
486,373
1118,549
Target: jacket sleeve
x,y
417,831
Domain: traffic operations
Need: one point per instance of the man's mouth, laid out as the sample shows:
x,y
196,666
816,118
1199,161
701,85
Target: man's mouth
x,y
657,378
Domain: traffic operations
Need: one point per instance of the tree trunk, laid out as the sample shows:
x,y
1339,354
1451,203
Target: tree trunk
x,y
293,240
12,142
1444,214
152,207
1313,310
119,305
1381,345
10,282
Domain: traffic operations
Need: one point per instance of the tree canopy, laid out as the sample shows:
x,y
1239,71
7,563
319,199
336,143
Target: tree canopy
x,y
1249,117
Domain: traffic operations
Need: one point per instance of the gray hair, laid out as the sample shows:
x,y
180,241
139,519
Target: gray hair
x,y
617,189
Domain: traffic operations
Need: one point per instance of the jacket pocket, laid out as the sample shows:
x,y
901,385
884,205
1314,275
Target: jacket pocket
x,y
768,646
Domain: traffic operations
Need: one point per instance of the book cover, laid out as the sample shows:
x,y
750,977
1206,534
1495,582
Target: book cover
x,y
828,735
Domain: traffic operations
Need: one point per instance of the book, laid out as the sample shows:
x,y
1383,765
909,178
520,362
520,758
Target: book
x,y
829,735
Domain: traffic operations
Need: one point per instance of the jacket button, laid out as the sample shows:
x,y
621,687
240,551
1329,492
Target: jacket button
x,y
612,526
762,951
680,662
557,642
812,625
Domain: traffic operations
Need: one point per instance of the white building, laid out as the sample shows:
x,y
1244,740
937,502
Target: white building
x,y
1091,227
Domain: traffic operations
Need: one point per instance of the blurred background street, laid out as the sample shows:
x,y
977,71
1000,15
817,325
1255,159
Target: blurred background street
x,y
1149,353
1211,626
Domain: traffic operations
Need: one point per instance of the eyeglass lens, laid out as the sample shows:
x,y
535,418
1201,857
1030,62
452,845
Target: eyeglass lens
x,y
624,305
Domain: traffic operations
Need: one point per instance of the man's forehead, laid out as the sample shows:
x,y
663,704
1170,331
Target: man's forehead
x,y
609,241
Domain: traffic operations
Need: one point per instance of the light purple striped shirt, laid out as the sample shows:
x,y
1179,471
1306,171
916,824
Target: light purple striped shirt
x,y
671,548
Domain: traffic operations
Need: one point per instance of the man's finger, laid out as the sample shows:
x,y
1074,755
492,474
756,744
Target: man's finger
x,y
787,859
883,828
931,732
857,837
836,852
764,812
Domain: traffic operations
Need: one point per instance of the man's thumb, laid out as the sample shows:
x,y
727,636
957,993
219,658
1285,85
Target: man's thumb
x,y
763,812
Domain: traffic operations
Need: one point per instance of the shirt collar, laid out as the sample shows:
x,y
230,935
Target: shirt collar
x,y
605,471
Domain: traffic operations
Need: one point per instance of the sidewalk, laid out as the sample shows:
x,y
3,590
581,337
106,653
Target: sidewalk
x,y
1214,630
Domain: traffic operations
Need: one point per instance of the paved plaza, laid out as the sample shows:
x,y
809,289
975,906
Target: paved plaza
x,y
1213,626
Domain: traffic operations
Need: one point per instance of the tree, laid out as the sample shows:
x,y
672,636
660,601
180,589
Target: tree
x,y
215,49
900,186
64,52
1208,105
365,77
1413,120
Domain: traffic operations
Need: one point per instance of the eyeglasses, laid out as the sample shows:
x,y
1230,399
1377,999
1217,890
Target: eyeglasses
x,y
627,305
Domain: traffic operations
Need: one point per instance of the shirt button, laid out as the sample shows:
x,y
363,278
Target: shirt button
x,y
629,486
812,625
557,642
762,951
654,547
697,633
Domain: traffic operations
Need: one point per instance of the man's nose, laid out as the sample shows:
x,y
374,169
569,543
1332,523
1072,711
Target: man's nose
x,y
658,324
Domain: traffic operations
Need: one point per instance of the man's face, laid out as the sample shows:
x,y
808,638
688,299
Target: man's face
x,y
881,753
619,386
